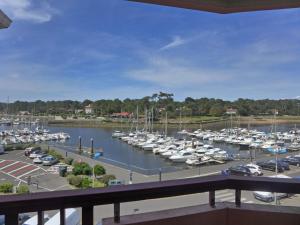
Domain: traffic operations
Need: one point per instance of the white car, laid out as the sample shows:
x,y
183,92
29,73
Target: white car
x,y
72,217
34,220
270,196
35,154
39,159
254,169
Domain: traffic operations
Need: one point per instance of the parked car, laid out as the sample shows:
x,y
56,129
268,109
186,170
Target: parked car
x,y
291,160
29,150
285,165
254,169
116,182
270,196
35,153
237,170
39,159
49,161
34,220
271,165
72,217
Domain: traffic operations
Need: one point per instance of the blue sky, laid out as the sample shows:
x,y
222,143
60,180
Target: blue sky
x,y
93,49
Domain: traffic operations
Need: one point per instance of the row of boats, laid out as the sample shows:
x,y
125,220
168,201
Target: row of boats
x,y
26,136
195,148
275,142
192,152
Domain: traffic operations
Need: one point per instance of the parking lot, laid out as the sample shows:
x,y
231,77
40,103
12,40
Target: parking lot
x,y
17,168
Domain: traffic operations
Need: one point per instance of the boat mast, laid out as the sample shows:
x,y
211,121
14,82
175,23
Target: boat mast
x,y
180,123
166,127
137,118
152,115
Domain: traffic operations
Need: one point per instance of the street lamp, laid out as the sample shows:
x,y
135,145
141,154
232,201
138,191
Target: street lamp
x,y
92,147
80,147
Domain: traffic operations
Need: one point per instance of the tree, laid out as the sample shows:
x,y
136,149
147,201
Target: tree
x,y
99,170
81,168
216,110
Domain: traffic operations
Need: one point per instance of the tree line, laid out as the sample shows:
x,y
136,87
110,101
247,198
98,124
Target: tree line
x,y
158,102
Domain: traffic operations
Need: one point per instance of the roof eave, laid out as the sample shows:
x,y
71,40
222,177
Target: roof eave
x,y
226,6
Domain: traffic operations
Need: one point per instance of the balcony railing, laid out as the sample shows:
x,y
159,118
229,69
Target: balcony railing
x,y
12,205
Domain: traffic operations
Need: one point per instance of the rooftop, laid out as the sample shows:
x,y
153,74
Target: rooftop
x,y
5,21
227,6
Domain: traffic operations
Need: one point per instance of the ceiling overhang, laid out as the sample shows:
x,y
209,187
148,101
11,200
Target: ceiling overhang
x,y
227,6
4,20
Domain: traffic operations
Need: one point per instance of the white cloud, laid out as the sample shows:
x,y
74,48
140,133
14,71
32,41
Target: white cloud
x,y
174,73
177,41
29,10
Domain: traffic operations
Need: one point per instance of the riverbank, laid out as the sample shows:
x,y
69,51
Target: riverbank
x,y
184,124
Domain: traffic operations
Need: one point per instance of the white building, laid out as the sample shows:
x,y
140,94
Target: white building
x,y
88,109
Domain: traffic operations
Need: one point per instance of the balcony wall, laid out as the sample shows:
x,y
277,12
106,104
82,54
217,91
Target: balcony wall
x,y
222,214
232,214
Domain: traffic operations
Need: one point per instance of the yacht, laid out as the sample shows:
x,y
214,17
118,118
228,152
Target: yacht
x,y
181,156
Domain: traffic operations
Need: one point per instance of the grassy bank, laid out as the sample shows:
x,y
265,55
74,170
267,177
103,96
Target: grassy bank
x,y
191,122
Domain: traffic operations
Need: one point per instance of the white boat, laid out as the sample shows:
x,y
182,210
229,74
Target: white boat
x,y
181,156
149,147
117,134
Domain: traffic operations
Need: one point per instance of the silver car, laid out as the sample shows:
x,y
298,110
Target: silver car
x,y
270,196
49,161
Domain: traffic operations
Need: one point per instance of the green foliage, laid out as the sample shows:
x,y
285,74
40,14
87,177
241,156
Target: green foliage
x,y
81,168
190,106
8,148
12,147
99,170
99,184
86,182
55,154
75,180
106,178
23,189
6,187
69,161
217,110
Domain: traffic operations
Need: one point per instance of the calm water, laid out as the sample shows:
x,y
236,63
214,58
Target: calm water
x,y
121,154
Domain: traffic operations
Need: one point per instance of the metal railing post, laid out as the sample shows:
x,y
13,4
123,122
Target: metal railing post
x,y
117,212
238,194
212,199
11,218
41,219
62,216
88,215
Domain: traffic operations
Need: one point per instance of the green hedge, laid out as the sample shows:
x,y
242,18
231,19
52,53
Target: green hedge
x,y
6,187
74,180
55,154
22,189
81,168
69,161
